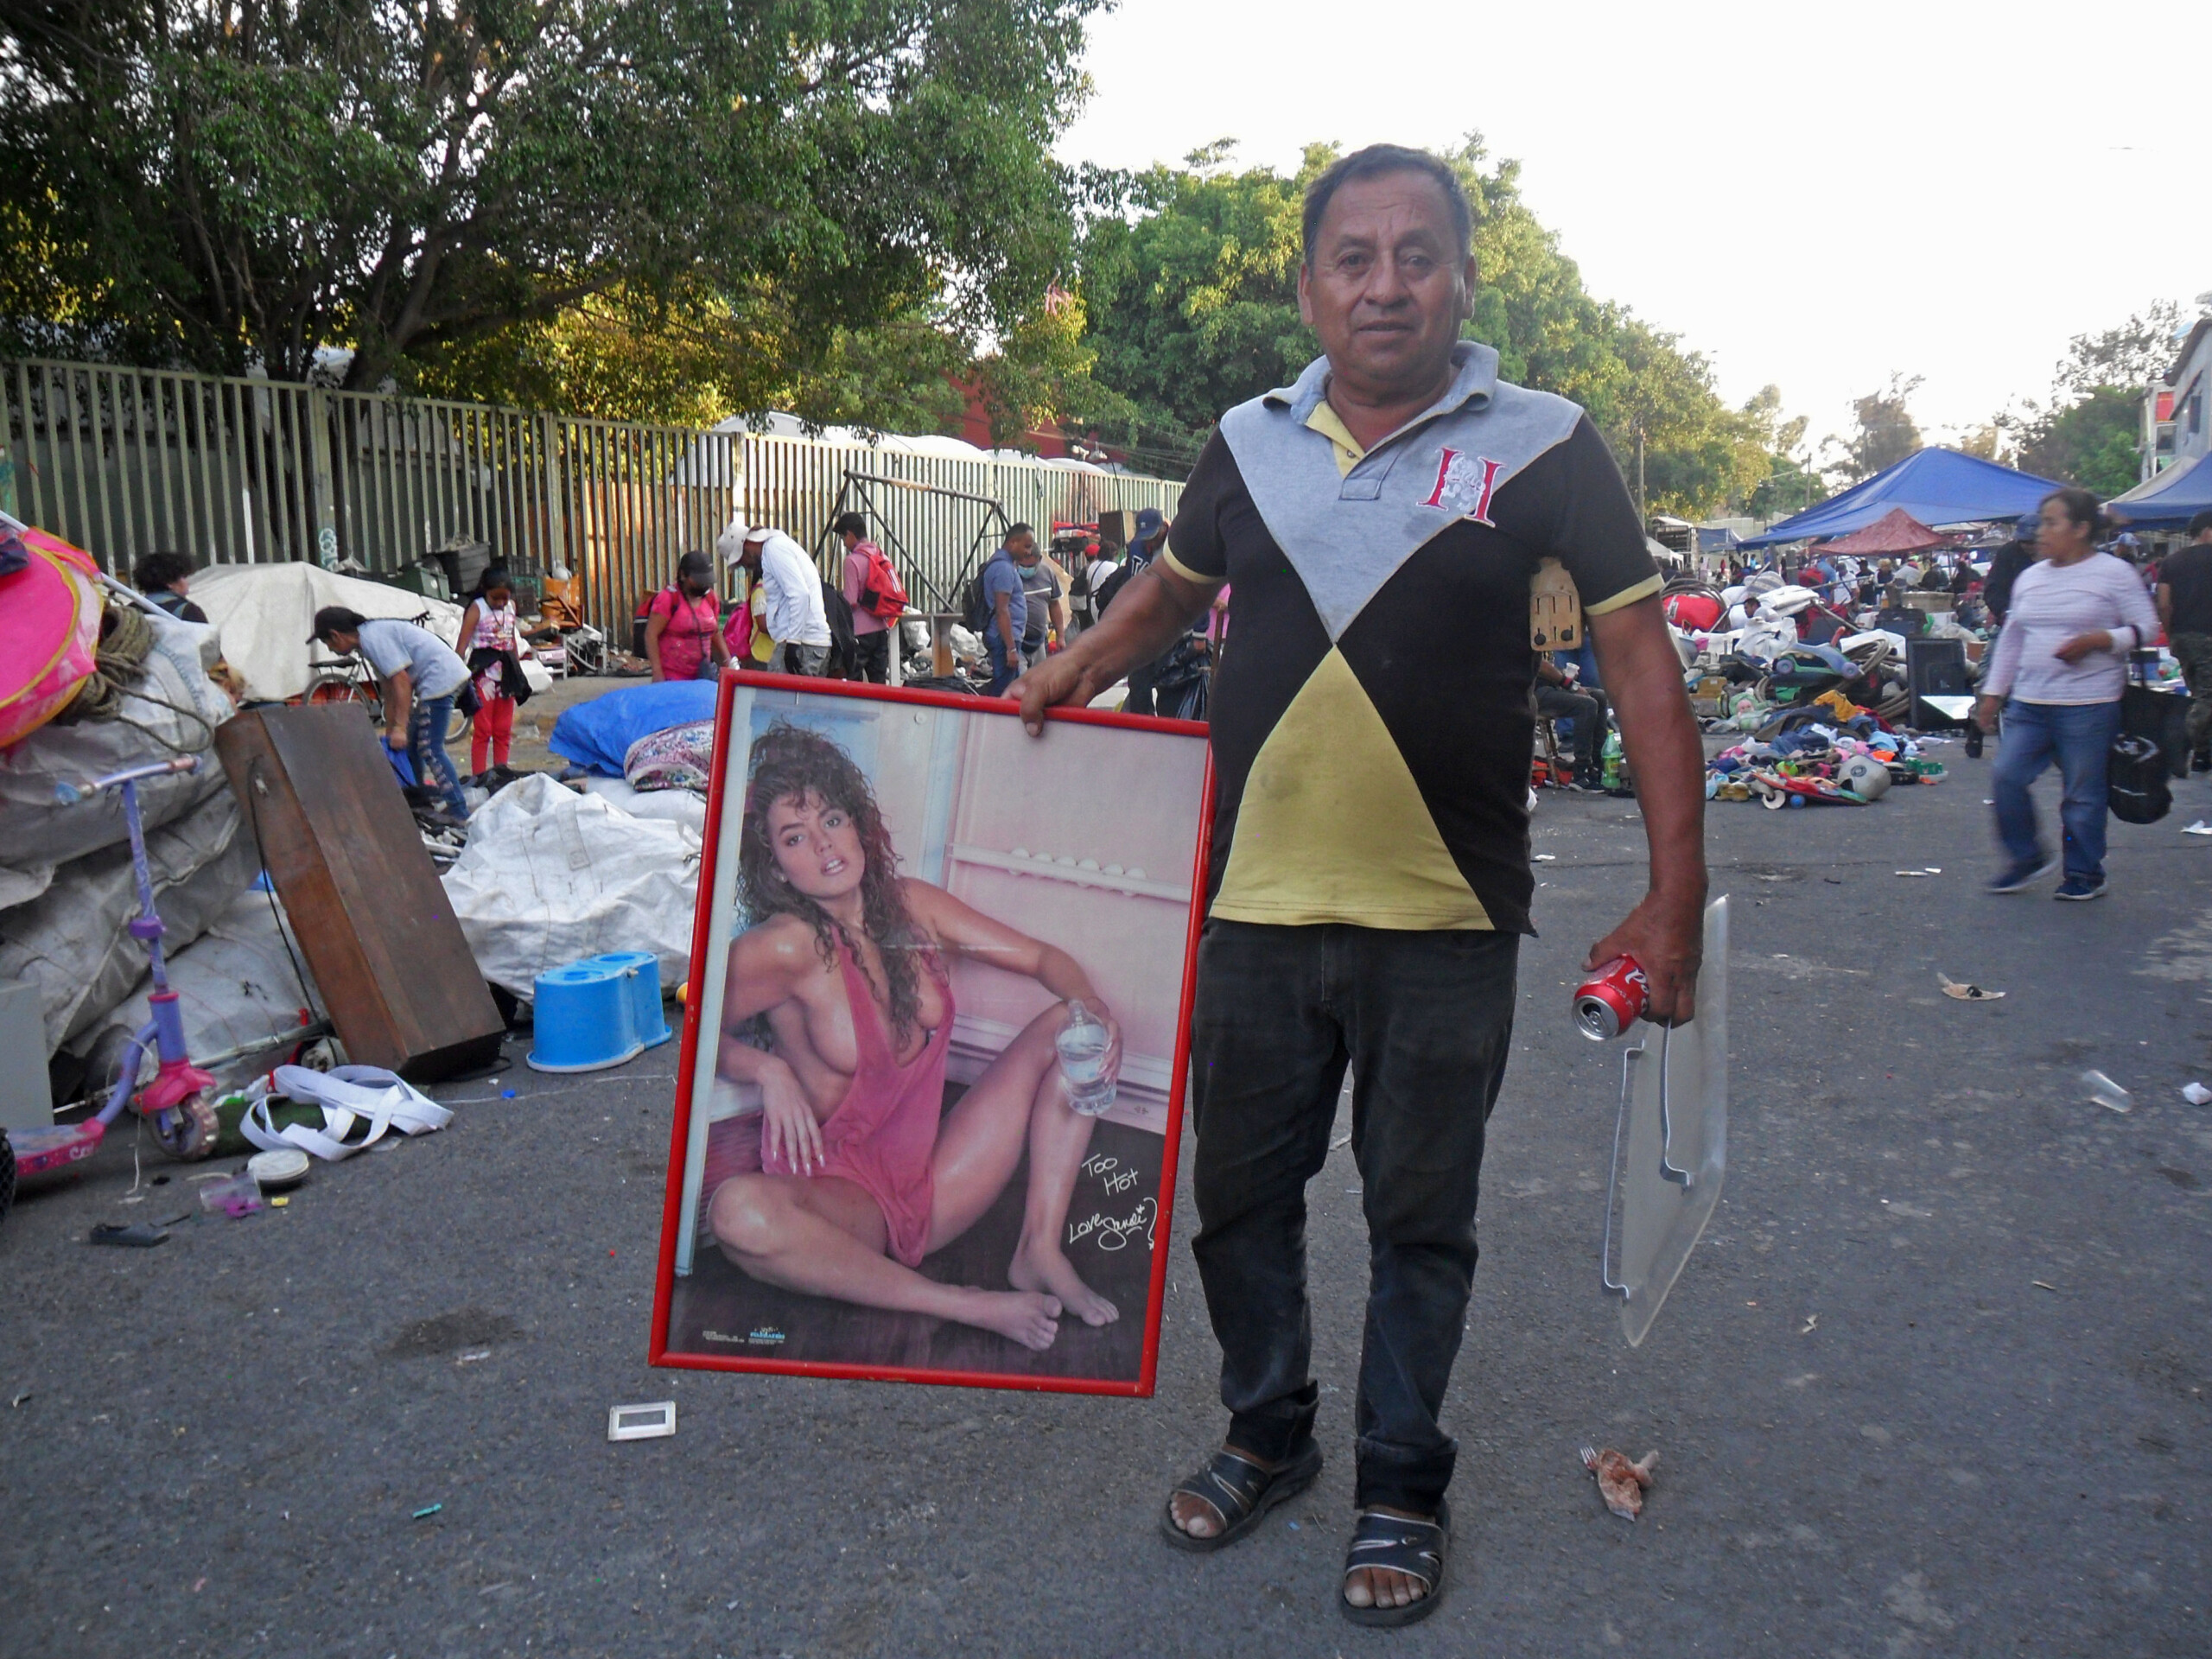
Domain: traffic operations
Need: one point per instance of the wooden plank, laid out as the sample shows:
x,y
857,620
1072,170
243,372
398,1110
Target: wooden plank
x,y
379,933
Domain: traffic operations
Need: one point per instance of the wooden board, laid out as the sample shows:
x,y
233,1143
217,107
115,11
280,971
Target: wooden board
x,y
365,900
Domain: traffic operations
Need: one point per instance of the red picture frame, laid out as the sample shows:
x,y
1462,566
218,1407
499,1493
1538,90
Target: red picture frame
x,y
680,1219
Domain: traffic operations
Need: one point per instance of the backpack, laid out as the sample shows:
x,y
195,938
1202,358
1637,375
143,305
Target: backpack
x,y
975,608
2137,789
882,594
1111,586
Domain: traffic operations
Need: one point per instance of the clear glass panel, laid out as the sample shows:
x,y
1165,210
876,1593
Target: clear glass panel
x,y
1670,1147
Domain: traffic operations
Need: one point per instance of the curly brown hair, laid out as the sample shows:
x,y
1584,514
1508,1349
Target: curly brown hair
x,y
789,763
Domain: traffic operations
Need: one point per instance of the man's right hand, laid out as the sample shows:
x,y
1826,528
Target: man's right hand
x,y
1058,679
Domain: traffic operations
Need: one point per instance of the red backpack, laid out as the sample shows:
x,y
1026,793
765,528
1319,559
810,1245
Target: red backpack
x,y
882,595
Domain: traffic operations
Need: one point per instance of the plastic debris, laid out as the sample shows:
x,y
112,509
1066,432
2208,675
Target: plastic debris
x,y
2106,1093
1932,869
649,1422
232,1195
424,1513
2039,1285
1620,1483
2200,827
1968,993
140,1237
2196,1094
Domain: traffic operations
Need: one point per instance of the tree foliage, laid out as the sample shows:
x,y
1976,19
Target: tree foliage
x,y
1192,296
1883,432
531,188
2090,432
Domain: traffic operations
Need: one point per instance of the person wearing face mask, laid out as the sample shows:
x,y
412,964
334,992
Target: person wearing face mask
x,y
2057,674
683,636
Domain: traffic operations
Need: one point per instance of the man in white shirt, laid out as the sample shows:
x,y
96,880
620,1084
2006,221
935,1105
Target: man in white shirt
x,y
787,600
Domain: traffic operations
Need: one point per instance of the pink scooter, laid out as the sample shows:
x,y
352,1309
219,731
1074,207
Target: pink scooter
x,y
179,1101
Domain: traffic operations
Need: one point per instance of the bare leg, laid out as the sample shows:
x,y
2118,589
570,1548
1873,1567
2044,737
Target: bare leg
x,y
1058,1137
1018,1098
825,1235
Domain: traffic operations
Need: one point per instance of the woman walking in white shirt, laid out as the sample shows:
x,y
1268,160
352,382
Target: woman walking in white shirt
x,y
2058,671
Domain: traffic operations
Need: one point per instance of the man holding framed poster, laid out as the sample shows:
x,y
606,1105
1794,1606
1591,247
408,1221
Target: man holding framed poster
x,y
931,1087
1382,521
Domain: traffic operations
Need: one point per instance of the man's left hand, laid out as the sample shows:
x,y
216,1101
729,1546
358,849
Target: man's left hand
x,y
1666,935
395,741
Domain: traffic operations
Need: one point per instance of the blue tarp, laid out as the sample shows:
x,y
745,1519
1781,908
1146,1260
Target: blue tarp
x,y
1936,486
2169,500
598,734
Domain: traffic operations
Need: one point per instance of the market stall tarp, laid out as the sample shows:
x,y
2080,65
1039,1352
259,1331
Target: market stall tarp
x,y
1936,486
264,612
1896,531
2169,500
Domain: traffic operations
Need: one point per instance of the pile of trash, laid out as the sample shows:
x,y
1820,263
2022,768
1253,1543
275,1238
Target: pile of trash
x,y
1817,764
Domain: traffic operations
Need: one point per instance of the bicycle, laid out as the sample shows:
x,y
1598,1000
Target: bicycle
x,y
179,1102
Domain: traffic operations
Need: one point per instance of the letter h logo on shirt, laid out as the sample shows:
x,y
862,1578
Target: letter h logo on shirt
x,y
1463,484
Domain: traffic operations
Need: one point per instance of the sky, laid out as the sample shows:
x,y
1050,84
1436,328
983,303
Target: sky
x,y
1813,195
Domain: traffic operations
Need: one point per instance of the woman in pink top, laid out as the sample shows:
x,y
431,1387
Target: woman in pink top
x,y
683,636
862,1172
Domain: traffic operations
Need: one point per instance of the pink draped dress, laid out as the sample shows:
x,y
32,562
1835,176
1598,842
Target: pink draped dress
x,y
884,1132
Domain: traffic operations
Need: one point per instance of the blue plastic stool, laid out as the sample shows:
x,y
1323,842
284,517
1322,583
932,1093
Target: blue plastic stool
x,y
582,1019
643,968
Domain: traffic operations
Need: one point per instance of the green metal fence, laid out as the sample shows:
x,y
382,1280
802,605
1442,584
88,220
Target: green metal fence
x,y
124,461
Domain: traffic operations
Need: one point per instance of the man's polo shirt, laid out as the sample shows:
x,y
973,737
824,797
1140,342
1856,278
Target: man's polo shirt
x,y
1372,729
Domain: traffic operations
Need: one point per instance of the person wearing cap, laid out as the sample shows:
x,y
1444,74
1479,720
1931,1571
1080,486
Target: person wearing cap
x,y
1151,535
787,598
418,676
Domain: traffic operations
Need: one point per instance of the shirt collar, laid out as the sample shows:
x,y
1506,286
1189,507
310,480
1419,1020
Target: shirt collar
x,y
1474,383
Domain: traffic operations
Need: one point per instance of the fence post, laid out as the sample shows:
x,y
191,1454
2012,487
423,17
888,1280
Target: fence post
x,y
549,471
319,414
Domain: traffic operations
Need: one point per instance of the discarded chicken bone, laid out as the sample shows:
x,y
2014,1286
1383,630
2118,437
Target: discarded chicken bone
x,y
1620,1483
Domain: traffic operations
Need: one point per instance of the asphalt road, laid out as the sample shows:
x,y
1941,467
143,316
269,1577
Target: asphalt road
x,y
1935,1382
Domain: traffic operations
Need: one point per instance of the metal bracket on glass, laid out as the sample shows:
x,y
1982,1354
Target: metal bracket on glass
x,y
1613,1194
1679,1177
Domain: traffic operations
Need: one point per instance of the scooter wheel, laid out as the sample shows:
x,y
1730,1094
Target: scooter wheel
x,y
191,1128
1772,798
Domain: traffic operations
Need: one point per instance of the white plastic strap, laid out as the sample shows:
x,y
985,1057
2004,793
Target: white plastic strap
x,y
345,1093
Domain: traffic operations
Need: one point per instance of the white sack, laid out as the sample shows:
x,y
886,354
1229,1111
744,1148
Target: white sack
x,y
550,876
264,612
71,939
234,985
37,831
678,806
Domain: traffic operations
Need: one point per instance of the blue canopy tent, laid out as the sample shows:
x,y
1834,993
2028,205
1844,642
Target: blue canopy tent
x,y
2169,500
1936,486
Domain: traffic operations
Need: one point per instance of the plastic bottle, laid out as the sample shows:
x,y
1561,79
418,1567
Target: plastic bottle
x,y
1609,761
1083,1043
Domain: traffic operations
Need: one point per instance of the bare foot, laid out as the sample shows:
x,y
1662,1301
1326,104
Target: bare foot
x,y
1042,1268
1197,1516
1381,1586
1031,1320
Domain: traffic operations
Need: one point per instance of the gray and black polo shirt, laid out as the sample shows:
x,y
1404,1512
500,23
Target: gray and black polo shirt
x,y
1372,725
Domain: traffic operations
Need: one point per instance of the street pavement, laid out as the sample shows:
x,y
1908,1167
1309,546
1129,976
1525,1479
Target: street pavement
x,y
1935,1382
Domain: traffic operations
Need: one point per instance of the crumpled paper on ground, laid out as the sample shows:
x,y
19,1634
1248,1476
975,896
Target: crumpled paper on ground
x,y
1620,1483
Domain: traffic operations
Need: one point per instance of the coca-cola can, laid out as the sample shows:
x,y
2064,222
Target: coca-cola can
x,y
1610,1000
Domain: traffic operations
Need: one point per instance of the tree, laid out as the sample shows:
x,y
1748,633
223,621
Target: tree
x,y
1883,432
241,183
1193,302
2133,355
2093,442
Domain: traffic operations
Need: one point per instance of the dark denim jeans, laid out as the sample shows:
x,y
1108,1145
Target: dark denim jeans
x,y
2078,735
427,720
1425,1021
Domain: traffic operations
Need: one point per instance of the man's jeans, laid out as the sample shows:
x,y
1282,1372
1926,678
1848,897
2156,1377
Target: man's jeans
x,y
2079,737
1588,714
810,660
871,656
426,747
1425,1021
2193,652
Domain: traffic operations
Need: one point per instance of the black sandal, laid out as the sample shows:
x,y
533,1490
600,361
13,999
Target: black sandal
x,y
1241,1492
1393,1544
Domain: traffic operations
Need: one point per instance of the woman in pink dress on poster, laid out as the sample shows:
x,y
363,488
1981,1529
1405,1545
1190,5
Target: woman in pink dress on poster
x,y
863,1171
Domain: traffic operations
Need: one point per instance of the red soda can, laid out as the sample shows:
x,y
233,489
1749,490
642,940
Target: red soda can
x,y
1611,1000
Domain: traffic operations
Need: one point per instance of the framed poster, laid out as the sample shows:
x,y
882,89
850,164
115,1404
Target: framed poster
x,y
901,1151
